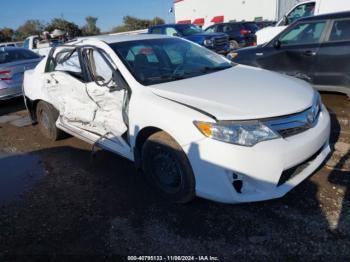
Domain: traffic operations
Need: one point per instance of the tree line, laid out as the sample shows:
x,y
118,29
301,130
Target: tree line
x,y
36,27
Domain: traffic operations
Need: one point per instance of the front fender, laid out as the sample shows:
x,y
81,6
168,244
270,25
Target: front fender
x,y
149,110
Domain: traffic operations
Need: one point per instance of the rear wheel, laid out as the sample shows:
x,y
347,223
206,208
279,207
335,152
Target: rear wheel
x,y
47,116
167,168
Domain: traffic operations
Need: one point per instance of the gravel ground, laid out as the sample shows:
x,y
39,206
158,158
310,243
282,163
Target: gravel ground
x,y
58,202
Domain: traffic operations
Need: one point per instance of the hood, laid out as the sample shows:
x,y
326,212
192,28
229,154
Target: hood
x,y
240,93
204,35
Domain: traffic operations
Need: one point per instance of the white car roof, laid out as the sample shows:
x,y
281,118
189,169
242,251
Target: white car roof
x,y
109,39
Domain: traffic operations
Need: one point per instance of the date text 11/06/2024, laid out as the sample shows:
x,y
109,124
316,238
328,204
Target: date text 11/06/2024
x,y
173,258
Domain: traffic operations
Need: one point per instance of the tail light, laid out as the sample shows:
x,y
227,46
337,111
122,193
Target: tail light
x,y
245,32
5,75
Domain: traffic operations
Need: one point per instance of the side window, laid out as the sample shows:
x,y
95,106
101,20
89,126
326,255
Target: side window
x,y
26,44
227,28
36,41
210,29
66,60
301,11
219,28
171,31
26,54
340,31
303,33
157,30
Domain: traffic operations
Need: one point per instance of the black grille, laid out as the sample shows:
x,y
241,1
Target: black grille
x,y
294,171
222,41
293,124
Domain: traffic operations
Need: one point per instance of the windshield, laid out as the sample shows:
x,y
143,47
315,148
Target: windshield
x,y
301,11
157,61
187,30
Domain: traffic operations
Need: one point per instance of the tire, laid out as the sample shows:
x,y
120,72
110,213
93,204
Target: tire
x,y
167,168
234,45
47,116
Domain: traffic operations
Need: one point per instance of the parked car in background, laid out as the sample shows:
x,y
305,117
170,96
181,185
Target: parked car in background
x,y
315,49
13,44
302,10
263,24
218,42
13,62
241,34
42,48
195,123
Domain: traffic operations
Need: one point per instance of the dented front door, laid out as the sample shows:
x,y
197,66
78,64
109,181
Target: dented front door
x,y
109,119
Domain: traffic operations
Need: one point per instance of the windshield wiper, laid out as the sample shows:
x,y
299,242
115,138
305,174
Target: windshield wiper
x,y
184,75
213,69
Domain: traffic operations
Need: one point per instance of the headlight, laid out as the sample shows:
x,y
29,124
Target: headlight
x,y
208,42
232,55
240,133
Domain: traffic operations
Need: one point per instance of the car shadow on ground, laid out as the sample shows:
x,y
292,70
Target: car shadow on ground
x,y
340,177
105,208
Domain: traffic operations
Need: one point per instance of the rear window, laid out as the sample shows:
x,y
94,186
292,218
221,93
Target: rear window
x,y
252,27
340,31
226,28
9,56
156,30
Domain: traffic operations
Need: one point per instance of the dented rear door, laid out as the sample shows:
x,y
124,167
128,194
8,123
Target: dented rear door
x,y
66,88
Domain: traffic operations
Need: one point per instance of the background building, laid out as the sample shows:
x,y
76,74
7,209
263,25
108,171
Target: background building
x,y
207,12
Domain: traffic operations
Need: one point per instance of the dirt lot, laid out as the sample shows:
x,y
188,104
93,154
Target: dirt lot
x,y
55,199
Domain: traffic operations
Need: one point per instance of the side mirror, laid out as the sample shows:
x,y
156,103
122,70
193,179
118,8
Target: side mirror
x,y
176,34
277,44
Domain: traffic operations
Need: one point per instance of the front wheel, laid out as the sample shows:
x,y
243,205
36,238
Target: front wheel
x,y
167,168
234,45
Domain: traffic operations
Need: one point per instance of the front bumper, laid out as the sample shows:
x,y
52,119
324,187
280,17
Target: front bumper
x,y
261,168
223,50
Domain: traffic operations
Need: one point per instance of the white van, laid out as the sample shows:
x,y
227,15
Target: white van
x,y
301,10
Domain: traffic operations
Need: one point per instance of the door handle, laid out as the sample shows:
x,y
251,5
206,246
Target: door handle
x,y
309,53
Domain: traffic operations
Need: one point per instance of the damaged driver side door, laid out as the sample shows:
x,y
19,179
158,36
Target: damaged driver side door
x,y
108,90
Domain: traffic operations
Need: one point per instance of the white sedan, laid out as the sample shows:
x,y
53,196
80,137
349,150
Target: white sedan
x,y
193,122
